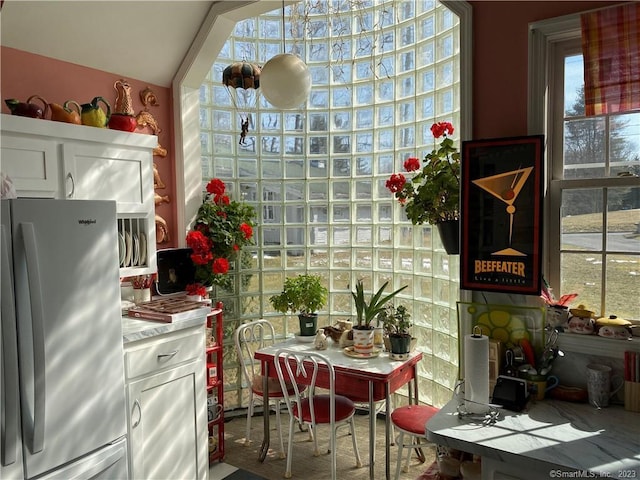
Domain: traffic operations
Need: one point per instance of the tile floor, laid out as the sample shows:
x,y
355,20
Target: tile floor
x,y
305,465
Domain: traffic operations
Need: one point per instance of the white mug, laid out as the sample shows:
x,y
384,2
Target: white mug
x,y
599,380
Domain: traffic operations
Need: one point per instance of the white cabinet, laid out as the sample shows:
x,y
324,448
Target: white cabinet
x,y
32,164
58,160
101,172
166,398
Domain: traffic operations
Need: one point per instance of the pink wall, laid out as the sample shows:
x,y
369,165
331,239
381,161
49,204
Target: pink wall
x,y
24,74
500,51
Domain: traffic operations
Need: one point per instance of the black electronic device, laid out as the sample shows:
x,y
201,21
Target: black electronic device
x,y
510,393
175,270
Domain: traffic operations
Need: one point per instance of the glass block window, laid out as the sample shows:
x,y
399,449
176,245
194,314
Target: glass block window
x,y
382,73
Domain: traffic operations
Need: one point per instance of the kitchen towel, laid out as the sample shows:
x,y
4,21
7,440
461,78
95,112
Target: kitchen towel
x,y
476,373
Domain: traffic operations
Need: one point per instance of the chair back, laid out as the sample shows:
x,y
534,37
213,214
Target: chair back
x,y
300,369
248,338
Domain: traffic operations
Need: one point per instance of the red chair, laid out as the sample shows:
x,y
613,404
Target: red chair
x,y
411,420
315,408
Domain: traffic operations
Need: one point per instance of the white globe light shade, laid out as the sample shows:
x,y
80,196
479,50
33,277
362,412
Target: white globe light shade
x,y
285,81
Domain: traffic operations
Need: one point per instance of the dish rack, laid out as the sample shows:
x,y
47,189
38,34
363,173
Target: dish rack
x,y
136,246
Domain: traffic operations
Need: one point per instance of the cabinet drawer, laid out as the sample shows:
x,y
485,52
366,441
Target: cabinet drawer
x,y
166,352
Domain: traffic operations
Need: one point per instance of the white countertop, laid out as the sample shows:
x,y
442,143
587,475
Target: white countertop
x,y
549,434
134,329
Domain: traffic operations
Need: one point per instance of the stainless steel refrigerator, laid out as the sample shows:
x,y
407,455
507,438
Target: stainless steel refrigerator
x,y
62,386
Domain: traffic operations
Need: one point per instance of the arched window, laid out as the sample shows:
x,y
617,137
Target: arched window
x,y
382,74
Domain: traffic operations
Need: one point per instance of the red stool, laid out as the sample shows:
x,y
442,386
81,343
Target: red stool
x,y
411,420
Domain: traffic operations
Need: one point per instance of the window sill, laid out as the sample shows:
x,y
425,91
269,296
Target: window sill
x,y
595,345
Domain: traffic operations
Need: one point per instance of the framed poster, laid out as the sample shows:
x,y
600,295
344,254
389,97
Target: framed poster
x,y
501,213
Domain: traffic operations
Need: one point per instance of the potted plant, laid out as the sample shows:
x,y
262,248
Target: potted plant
x,y
304,294
397,324
433,194
221,229
366,312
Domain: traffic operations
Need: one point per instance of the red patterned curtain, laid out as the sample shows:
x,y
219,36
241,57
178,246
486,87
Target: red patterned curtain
x,y
611,49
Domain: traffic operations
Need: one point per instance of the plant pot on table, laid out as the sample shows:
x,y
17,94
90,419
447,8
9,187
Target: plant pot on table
x,y
363,339
308,324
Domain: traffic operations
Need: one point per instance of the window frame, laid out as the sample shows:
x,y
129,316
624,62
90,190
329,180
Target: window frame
x,y
550,41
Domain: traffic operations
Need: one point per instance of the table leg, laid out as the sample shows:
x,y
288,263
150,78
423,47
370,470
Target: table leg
x,y
413,387
387,431
372,429
264,448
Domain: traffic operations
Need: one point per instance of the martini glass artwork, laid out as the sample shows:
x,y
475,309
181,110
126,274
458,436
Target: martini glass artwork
x,y
506,187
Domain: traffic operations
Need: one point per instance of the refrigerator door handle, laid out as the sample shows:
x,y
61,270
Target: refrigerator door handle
x,y
9,361
37,320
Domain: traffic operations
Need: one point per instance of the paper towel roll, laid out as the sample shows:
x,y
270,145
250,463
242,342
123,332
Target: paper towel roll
x,y
476,372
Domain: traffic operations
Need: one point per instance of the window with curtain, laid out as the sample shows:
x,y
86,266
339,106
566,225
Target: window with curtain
x,y
382,74
593,221
611,52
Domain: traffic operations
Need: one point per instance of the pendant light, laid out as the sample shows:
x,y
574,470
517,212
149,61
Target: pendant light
x,y
285,80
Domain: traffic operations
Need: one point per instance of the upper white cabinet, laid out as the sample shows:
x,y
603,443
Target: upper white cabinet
x,y
32,164
59,160
108,173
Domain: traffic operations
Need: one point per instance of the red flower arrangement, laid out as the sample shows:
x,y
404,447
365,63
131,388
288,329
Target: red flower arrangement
x,y
196,289
222,227
433,194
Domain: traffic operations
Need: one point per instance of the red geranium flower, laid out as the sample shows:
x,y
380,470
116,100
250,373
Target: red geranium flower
x,y
247,230
215,186
196,289
441,128
201,258
411,164
396,182
221,199
220,266
198,242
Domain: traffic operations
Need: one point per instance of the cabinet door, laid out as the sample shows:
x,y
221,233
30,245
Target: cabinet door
x,y
102,172
167,424
32,164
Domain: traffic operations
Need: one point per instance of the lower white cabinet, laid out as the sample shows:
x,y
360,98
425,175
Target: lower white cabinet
x,y
166,398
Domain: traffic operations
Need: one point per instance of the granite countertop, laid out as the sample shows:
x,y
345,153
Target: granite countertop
x,y
548,434
134,329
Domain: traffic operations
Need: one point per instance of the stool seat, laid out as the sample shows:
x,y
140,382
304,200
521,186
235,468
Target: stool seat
x,y
413,418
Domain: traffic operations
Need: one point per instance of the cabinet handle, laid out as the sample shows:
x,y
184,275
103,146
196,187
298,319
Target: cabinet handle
x,y
137,422
167,356
73,185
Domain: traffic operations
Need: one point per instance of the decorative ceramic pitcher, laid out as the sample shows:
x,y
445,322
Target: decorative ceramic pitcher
x,y
28,109
93,115
123,117
63,113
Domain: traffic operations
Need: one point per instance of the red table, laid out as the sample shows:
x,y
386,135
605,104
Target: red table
x,y
371,379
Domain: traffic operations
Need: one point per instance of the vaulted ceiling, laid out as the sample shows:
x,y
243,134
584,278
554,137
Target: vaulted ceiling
x,y
135,39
